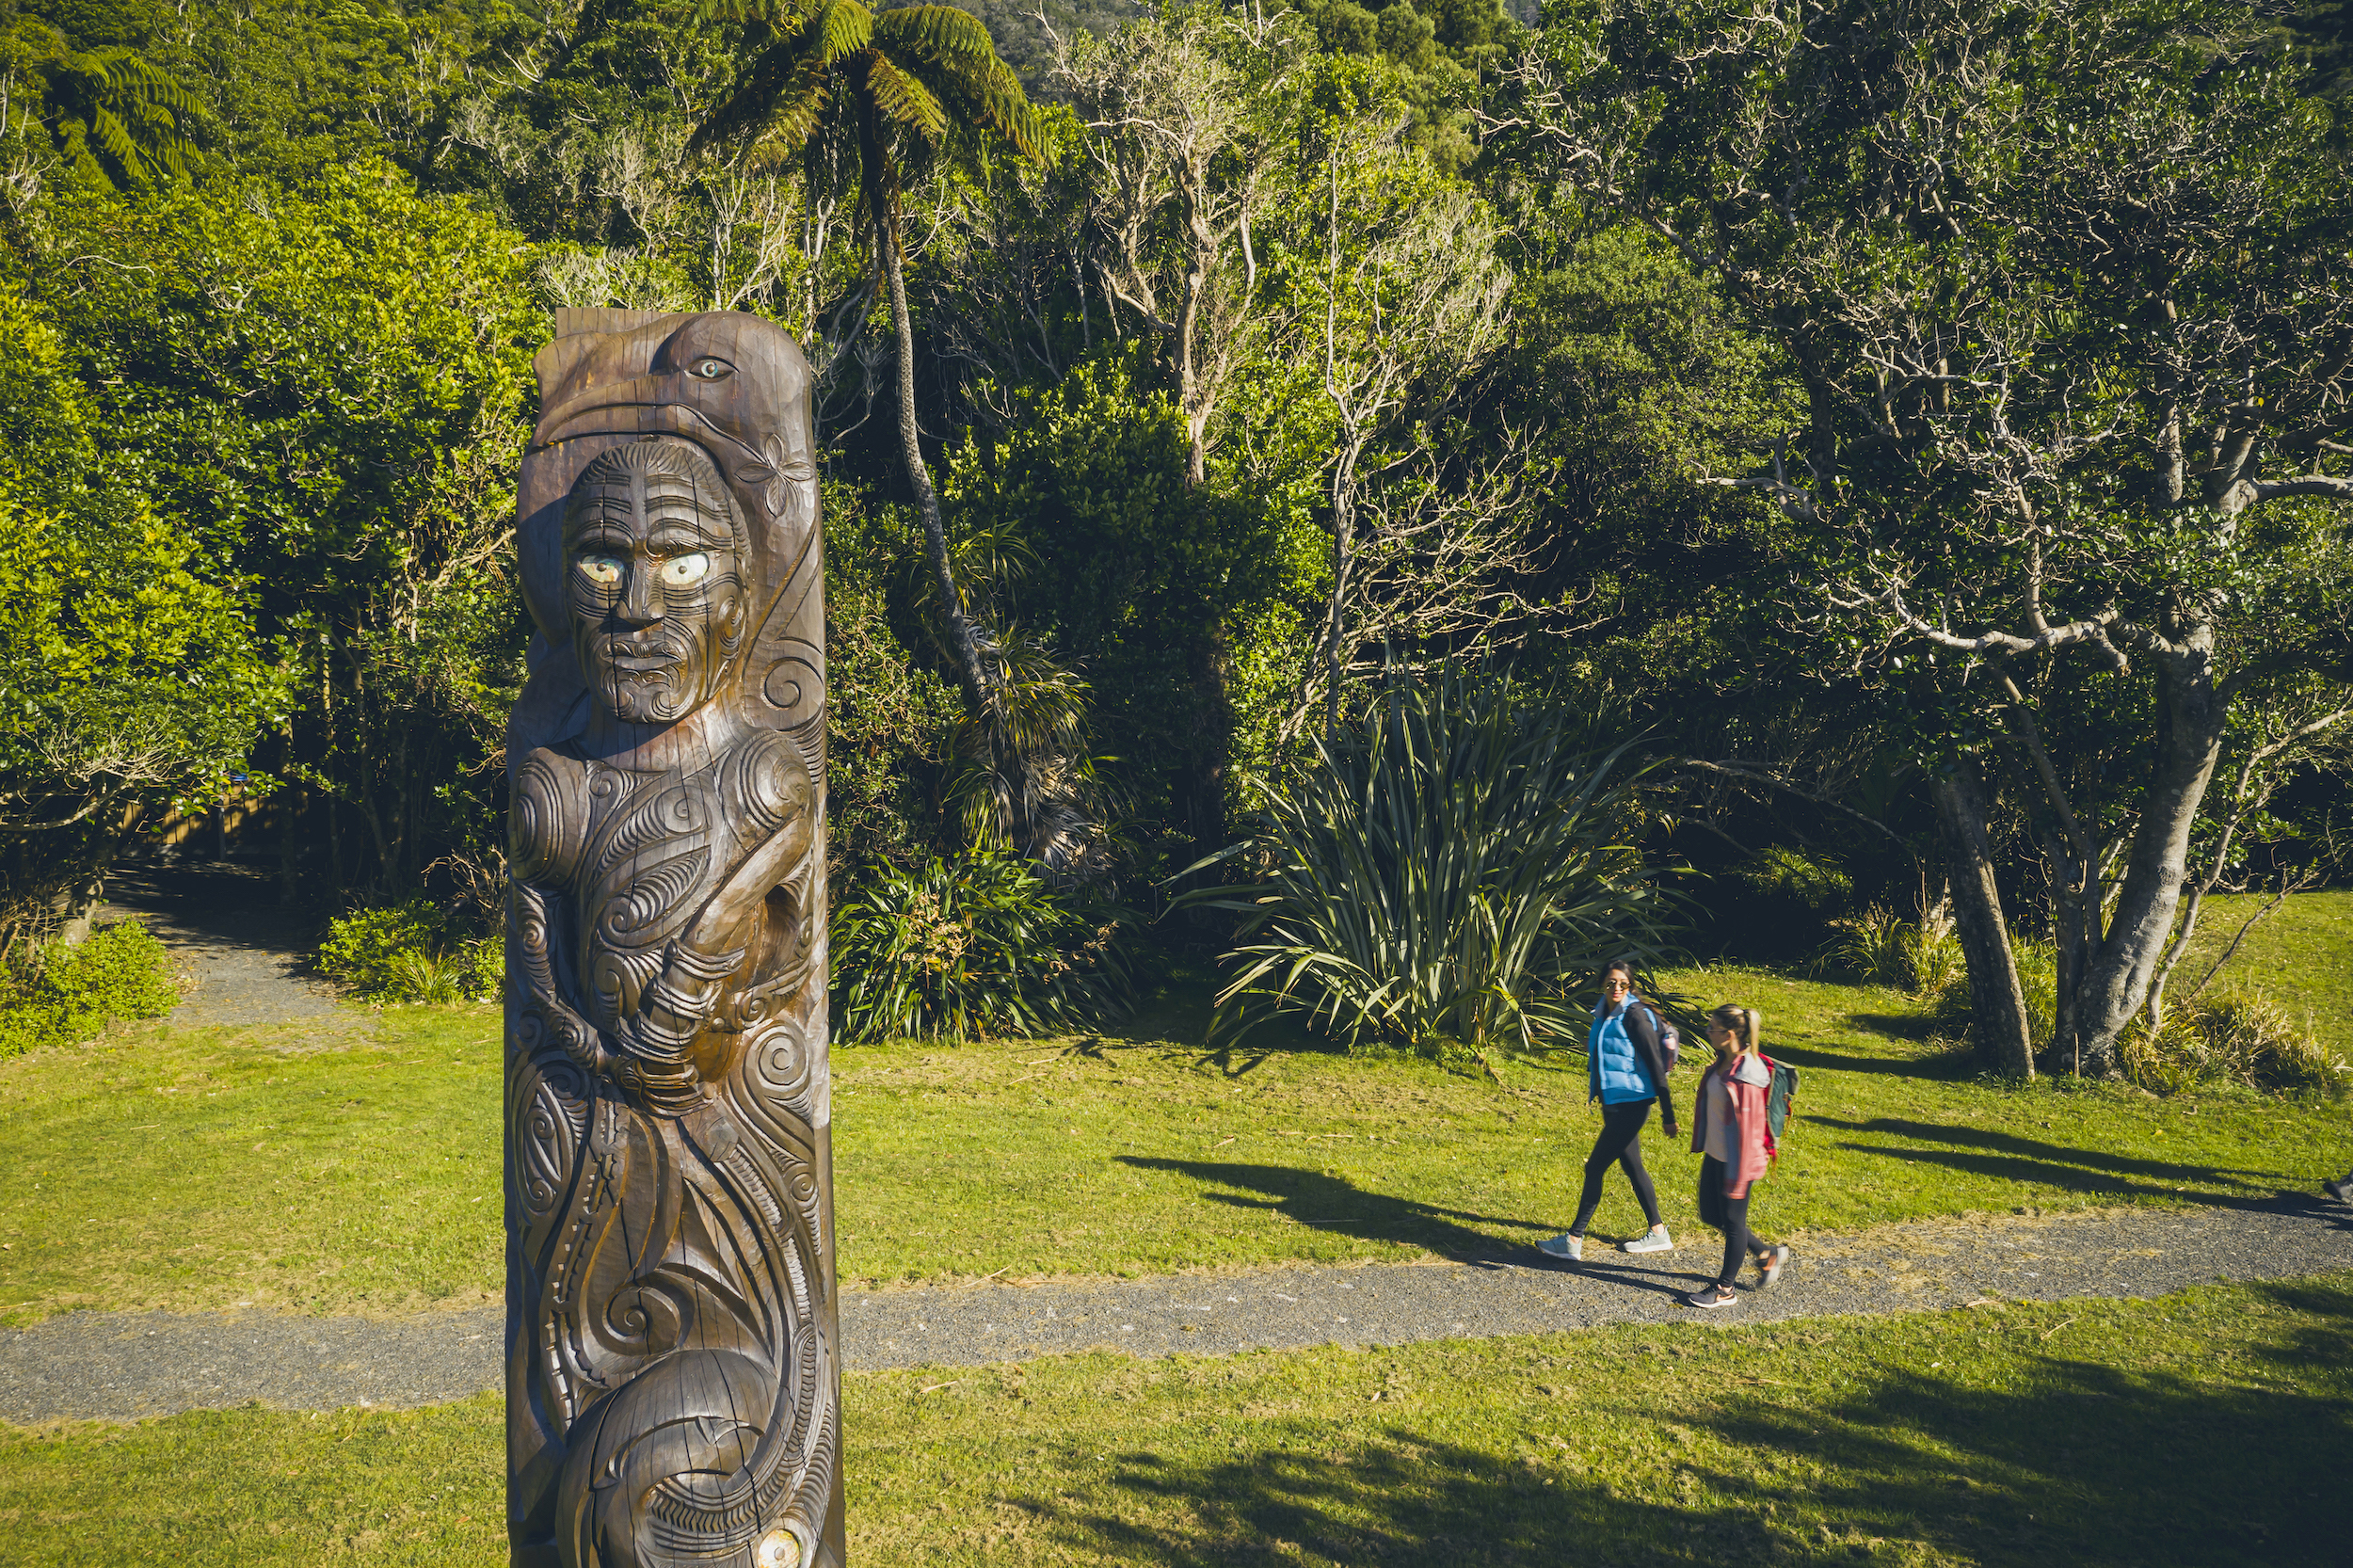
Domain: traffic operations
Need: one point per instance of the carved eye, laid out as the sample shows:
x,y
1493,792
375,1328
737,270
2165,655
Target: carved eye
x,y
685,571
603,570
710,368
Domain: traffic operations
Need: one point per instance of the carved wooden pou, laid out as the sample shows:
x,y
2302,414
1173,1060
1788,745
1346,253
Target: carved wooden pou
x,y
672,1383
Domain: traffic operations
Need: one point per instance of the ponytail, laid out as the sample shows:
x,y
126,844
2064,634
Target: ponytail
x,y
1746,1025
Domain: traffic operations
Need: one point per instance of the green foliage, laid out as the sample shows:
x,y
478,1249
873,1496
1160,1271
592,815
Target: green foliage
x,y
411,951
1878,946
71,993
1450,864
321,396
1872,946
1158,591
114,116
972,949
129,670
889,720
2244,1039
1812,881
904,69
2037,982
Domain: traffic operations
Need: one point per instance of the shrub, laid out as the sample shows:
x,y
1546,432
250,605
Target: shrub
x,y
2037,982
409,952
2242,1039
1932,956
1814,882
1880,947
1874,946
1442,874
120,971
970,949
482,972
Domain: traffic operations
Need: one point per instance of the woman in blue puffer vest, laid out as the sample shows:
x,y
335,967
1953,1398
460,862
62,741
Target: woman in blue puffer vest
x,y
1626,1070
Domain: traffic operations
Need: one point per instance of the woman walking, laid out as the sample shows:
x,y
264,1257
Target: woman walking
x,y
1625,1070
1731,1130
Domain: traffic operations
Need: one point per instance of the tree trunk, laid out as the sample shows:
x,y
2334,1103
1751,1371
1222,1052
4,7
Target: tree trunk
x,y
963,639
2078,897
1210,743
1343,496
1997,1005
2193,709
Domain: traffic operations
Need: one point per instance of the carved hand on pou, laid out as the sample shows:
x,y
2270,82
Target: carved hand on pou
x,y
681,1003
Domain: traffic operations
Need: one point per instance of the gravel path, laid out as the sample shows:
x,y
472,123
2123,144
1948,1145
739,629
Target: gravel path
x,y
118,1366
224,925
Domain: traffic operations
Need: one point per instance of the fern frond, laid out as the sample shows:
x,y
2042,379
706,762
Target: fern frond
x,y
798,108
129,78
941,32
841,29
114,139
783,15
964,65
904,100
777,91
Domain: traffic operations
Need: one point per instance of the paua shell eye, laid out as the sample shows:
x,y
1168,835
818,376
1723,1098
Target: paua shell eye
x,y
682,571
603,570
710,368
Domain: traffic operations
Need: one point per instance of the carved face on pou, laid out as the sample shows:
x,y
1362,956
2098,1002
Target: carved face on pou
x,y
654,566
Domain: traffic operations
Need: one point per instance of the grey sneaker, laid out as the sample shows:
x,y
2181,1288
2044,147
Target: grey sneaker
x,y
1769,1266
2340,1190
1658,1240
1564,1246
1708,1298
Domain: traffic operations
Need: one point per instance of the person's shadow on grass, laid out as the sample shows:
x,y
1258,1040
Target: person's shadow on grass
x,y
1311,1198
1330,1203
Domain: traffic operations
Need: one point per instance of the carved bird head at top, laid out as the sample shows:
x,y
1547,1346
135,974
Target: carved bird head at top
x,y
736,389
732,383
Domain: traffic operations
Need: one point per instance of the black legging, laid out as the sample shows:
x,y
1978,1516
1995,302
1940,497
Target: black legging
x,y
1620,1144
1729,1215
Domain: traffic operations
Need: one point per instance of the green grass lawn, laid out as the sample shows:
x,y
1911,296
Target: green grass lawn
x,y
2300,955
2207,1428
353,1166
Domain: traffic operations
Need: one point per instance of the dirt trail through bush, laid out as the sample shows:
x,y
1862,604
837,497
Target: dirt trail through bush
x,y
248,954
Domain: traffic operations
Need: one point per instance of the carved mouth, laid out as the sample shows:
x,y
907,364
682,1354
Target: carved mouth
x,y
644,664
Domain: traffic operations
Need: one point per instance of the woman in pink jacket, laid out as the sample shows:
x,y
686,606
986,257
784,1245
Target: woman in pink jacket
x,y
1730,1128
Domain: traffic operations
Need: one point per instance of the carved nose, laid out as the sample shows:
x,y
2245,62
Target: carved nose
x,y
641,599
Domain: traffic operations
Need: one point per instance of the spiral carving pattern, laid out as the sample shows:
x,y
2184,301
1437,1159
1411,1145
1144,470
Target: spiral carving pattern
x,y
673,1382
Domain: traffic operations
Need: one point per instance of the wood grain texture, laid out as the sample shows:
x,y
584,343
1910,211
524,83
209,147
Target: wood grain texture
x,y
672,1372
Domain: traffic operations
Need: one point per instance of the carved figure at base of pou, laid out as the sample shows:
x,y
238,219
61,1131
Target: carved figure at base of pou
x,y
672,1381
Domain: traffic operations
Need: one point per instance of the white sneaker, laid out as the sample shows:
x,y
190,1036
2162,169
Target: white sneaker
x,y
1658,1240
1564,1246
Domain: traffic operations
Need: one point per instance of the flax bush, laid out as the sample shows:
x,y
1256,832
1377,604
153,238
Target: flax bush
x,y
1442,873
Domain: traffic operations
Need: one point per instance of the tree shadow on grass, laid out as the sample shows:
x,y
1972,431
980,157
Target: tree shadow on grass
x,y
2094,1463
1947,1067
2010,1158
2088,1464
1334,1204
